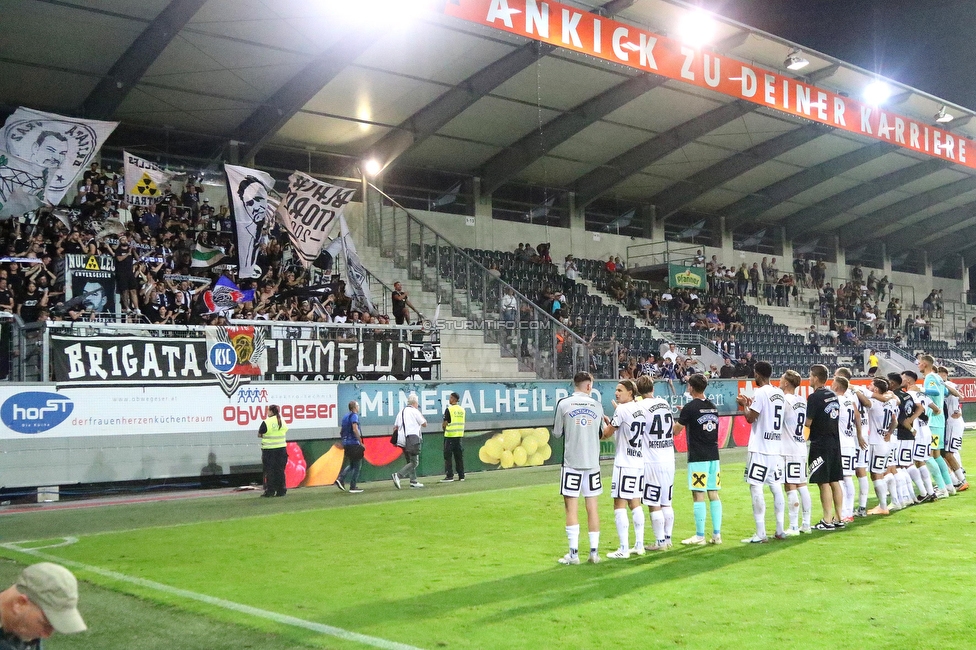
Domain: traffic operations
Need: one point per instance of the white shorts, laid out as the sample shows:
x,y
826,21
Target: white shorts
x,y
796,470
923,445
580,482
847,460
764,469
658,484
879,455
906,448
953,434
862,458
627,483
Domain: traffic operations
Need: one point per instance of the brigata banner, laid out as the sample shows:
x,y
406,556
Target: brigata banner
x,y
611,40
686,277
50,411
152,361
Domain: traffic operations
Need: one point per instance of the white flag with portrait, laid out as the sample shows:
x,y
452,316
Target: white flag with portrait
x,y
144,180
43,154
252,201
357,278
309,213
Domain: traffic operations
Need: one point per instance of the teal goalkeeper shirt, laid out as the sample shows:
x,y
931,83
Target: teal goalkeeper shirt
x,y
936,390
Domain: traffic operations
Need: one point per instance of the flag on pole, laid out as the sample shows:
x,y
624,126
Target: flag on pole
x,y
357,278
252,201
204,257
308,212
226,295
144,180
42,155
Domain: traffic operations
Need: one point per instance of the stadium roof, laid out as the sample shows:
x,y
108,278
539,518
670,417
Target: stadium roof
x,y
445,92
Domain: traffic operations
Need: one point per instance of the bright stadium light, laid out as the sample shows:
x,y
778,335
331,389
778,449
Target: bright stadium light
x,y
877,92
794,61
372,167
697,28
382,12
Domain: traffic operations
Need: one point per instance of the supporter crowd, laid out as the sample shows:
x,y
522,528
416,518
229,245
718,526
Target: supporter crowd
x,y
153,250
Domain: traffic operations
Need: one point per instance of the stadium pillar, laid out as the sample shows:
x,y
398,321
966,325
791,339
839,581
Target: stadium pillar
x,y
657,225
648,217
928,268
577,227
841,258
482,218
786,248
728,246
885,260
965,277
234,152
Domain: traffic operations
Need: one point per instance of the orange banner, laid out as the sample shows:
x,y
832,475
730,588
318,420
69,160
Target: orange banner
x,y
617,42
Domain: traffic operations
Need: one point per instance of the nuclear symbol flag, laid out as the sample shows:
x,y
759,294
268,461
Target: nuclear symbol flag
x,y
144,180
92,264
146,186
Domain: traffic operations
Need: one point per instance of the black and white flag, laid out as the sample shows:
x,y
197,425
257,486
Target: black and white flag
x,y
357,278
42,155
253,200
144,180
309,214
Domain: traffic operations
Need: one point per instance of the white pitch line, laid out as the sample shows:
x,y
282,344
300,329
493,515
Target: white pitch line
x,y
330,630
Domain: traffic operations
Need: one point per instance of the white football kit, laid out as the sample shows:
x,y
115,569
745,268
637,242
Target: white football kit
x,y
793,445
628,464
658,452
765,463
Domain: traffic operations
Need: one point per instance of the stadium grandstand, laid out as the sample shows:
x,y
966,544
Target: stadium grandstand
x,y
208,207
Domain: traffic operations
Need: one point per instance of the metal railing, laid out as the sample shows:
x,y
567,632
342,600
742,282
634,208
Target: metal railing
x,y
905,293
539,342
662,252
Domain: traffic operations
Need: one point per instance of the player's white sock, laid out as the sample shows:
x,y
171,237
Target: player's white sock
x,y
793,498
881,489
572,532
893,487
926,479
623,527
779,505
848,508
668,522
905,486
916,477
862,491
759,509
638,515
960,475
657,524
594,542
806,505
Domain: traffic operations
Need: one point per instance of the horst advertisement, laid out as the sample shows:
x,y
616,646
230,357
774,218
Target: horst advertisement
x,y
133,360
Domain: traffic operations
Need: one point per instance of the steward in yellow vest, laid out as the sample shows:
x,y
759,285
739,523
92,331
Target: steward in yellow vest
x,y
453,433
274,452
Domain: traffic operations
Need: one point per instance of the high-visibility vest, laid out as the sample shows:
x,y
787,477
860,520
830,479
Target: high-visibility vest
x,y
455,429
274,437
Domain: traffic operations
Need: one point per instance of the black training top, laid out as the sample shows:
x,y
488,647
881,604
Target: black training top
x,y
906,406
823,410
700,419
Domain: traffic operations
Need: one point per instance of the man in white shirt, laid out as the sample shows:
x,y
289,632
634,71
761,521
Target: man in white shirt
x,y
671,354
408,426
765,412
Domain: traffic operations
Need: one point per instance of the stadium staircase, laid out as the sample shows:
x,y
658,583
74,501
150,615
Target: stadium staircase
x,y
464,352
452,286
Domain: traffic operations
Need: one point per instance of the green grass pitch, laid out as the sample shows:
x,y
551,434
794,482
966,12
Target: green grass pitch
x,y
473,565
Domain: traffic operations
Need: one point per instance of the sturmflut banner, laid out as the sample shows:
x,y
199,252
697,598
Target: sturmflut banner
x,y
42,155
309,213
151,361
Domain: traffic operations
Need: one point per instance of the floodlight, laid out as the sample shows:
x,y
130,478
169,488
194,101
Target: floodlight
x,y
877,92
794,61
372,167
942,117
697,28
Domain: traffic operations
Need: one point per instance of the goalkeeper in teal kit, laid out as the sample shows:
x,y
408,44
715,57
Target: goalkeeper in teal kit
x,y
936,390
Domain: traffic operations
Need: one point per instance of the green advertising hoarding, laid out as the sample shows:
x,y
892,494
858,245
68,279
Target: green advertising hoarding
x,y
686,277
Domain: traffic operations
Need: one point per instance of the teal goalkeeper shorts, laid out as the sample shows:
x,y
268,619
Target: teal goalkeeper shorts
x,y
938,438
704,475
